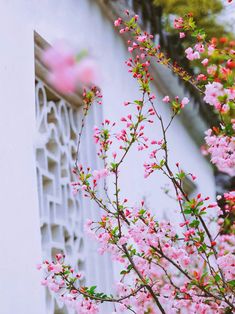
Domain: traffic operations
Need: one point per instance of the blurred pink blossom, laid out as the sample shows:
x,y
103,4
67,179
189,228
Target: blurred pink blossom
x,y
59,56
66,73
87,71
184,102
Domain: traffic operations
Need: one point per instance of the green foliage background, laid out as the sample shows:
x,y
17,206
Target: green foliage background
x,y
204,13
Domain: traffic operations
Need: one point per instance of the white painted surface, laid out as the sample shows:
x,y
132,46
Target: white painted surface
x,y
19,224
81,23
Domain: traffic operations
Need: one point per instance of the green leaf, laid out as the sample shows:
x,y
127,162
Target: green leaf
x,y
92,289
194,224
204,275
188,211
217,278
129,267
81,55
232,283
138,102
162,162
180,175
142,211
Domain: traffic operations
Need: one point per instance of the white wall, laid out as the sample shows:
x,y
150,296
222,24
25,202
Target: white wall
x,y
20,247
84,25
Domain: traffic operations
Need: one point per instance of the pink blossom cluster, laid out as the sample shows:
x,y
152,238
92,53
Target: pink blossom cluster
x,y
83,176
222,151
178,23
192,54
230,196
154,251
56,280
184,101
166,267
99,174
214,91
103,137
226,244
66,74
230,201
227,264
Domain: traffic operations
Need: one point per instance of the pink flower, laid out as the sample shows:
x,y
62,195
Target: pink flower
x,y
178,23
193,177
65,73
123,240
87,72
212,92
166,99
185,261
184,223
212,69
192,55
199,47
184,102
222,150
64,79
182,35
142,38
205,62
53,287
39,266
55,268
189,50
99,174
118,22
201,77
227,264
211,49
142,56
59,56
89,222
225,108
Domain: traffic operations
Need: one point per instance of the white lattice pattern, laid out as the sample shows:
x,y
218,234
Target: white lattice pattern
x,y
60,212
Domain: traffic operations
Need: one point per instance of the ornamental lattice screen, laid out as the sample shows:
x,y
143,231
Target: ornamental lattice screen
x,y
60,212
62,215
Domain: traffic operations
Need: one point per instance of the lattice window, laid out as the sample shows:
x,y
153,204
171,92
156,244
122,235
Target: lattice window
x,y
57,121
60,212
